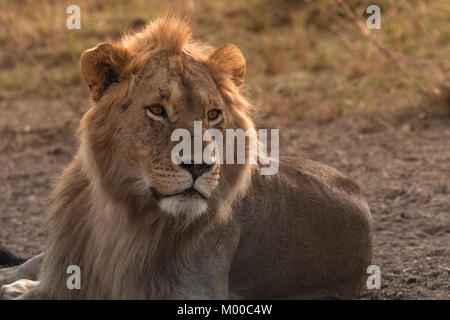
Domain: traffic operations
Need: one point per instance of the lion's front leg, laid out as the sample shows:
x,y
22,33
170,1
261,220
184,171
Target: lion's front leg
x,y
201,284
205,276
16,281
28,270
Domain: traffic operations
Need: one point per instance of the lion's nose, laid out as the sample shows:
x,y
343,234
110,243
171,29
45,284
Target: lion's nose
x,y
196,169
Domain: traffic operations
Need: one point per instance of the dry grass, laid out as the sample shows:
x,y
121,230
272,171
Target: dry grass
x,y
306,59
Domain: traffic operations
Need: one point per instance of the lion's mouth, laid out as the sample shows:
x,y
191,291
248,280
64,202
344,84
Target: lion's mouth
x,y
190,192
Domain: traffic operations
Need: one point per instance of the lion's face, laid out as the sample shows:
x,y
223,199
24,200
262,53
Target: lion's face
x,y
169,96
142,91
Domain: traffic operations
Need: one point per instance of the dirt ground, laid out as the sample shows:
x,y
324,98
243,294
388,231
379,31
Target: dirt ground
x,y
402,168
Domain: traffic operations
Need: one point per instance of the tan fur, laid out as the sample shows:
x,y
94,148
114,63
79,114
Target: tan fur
x,y
16,289
102,208
105,219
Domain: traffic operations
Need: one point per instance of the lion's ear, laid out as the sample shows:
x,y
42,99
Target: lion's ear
x,y
230,62
103,65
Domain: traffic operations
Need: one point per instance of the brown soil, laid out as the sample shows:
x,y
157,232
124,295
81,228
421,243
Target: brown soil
x,y
403,170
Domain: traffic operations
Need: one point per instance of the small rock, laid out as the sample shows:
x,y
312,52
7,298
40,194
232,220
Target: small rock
x,y
412,280
434,274
404,215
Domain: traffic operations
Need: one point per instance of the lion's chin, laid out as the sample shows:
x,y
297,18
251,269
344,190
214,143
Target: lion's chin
x,y
178,205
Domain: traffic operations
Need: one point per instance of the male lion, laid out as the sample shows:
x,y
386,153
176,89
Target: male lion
x,y
141,227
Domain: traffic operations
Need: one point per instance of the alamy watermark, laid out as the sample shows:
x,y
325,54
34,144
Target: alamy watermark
x,y
74,20
374,21
240,153
373,281
74,280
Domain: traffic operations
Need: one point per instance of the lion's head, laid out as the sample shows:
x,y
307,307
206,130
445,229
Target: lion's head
x,y
142,89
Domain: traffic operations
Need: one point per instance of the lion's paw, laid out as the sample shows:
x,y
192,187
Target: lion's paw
x,y
16,289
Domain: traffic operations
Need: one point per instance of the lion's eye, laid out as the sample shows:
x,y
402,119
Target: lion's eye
x,y
157,109
214,114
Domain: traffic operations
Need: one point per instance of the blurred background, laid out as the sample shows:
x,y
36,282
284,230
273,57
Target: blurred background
x,y
372,103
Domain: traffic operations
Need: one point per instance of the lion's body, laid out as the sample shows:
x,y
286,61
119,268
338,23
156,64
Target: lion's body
x,y
311,240
305,233
142,227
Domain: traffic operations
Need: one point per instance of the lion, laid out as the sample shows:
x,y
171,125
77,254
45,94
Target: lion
x,y
140,226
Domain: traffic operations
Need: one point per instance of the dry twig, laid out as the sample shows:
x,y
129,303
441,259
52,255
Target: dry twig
x,y
396,59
